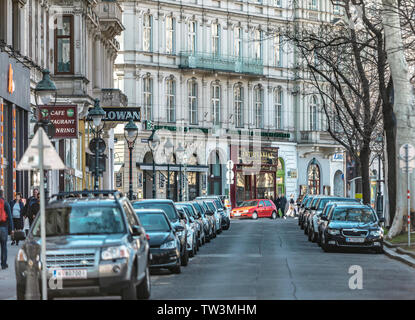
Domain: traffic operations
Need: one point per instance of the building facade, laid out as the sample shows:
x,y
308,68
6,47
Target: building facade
x,y
218,79
75,41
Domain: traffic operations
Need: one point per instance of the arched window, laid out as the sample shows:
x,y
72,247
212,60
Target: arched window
x,y
313,178
147,32
239,105
216,102
278,98
148,97
192,89
313,113
171,99
259,107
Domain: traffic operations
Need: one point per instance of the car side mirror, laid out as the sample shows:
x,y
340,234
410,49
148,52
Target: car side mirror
x,y
178,228
138,231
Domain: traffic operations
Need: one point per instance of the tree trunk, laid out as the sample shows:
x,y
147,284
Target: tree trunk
x,y
390,161
364,171
403,101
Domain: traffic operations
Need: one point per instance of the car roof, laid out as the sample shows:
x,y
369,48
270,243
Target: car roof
x,y
149,211
73,202
342,205
153,201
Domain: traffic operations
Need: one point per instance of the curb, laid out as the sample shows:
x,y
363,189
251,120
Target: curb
x,y
390,244
403,251
402,258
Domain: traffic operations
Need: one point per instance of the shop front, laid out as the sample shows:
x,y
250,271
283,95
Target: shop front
x,y
255,174
14,109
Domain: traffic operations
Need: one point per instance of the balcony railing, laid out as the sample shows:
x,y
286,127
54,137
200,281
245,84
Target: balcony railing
x,y
316,137
210,61
110,17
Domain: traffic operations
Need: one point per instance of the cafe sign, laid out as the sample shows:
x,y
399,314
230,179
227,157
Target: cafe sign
x,y
64,118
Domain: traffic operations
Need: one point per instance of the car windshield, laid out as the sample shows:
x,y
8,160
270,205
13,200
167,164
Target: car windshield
x,y
211,206
154,222
314,202
166,207
81,220
364,215
307,205
251,203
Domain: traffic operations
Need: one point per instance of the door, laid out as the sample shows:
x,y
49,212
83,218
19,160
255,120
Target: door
x,y
268,207
261,209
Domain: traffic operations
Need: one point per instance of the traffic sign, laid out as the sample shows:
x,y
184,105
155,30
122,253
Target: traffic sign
x,y
229,165
101,145
411,152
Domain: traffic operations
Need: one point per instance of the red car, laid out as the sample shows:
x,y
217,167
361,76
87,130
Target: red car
x,y
254,209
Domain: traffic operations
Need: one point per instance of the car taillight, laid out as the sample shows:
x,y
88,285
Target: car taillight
x,y
148,237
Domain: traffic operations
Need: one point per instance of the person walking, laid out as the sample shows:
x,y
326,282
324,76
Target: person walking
x,y
32,204
16,207
6,226
277,205
283,204
291,208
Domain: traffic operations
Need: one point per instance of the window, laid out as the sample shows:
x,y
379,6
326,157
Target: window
x,y
239,105
192,89
312,4
64,45
148,98
215,39
170,27
238,41
216,103
336,9
314,179
278,108
259,105
278,3
171,100
258,44
147,26
277,51
192,36
313,114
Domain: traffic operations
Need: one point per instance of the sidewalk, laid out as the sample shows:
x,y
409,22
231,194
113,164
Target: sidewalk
x,y
7,277
395,252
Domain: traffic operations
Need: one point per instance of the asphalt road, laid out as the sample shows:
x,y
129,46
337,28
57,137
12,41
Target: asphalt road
x,y
269,259
272,259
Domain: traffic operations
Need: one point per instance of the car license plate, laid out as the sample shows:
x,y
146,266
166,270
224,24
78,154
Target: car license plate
x,y
70,274
236,214
358,240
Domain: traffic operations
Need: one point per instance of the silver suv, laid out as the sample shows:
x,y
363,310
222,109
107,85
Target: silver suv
x,y
96,245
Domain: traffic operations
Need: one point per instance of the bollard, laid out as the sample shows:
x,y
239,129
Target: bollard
x,y
32,249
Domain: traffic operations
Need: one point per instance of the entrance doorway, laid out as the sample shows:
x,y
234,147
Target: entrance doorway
x,y
215,174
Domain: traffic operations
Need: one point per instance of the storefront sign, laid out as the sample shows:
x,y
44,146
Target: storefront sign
x,y
292,174
121,114
64,118
338,157
264,156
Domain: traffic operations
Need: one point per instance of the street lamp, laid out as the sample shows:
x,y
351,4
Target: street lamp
x,y
180,155
97,114
45,94
379,197
153,143
168,151
130,135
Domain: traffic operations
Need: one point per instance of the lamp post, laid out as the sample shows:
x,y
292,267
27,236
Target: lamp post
x,y
153,143
168,150
97,114
46,95
379,197
130,135
180,154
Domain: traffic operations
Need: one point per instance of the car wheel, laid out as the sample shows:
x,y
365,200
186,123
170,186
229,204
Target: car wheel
x,y
185,258
191,253
324,245
319,239
144,288
130,292
314,237
302,225
305,229
309,235
20,292
254,216
177,269
273,215
380,250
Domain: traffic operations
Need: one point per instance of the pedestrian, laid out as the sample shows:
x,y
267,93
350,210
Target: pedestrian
x,y
291,209
16,206
283,205
277,204
6,227
28,209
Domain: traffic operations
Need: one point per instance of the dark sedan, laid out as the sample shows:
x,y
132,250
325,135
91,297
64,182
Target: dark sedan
x,y
355,226
164,244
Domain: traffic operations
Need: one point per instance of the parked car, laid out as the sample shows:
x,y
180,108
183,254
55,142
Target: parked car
x,y
164,242
254,209
217,215
96,245
198,219
209,214
356,226
308,209
303,210
315,214
322,223
168,207
206,221
220,201
191,242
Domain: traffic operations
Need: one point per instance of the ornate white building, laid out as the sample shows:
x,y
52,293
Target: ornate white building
x,y
217,78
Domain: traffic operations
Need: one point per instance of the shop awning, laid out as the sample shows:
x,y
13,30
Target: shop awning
x,y
173,167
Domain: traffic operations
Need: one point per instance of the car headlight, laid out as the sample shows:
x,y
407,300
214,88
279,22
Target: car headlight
x,y
114,253
168,245
376,233
21,255
333,231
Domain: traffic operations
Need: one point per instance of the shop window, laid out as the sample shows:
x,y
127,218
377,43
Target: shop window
x,y
280,177
64,45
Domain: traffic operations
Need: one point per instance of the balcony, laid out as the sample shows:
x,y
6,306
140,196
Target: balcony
x,y
317,137
210,61
110,17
